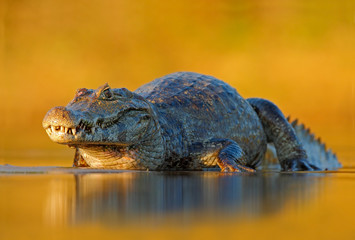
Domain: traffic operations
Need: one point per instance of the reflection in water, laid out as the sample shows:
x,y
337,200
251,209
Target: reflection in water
x,y
135,196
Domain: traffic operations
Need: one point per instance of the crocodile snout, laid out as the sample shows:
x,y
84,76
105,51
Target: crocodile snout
x,y
59,116
60,124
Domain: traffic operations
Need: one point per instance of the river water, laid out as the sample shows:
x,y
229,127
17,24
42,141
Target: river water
x,y
65,203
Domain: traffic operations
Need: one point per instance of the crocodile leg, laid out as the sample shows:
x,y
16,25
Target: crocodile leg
x,y
79,160
291,155
225,153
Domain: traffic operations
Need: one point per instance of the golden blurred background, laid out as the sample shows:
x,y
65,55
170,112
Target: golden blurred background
x,y
297,53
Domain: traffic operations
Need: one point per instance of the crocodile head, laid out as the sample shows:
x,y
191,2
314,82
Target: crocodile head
x,y
103,116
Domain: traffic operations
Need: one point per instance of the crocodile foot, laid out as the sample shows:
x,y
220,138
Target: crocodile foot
x,y
298,164
231,158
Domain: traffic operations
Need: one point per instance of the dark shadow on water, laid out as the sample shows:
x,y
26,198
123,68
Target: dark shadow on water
x,y
133,196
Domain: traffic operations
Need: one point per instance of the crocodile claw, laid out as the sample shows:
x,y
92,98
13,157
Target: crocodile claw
x,y
237,168
298,165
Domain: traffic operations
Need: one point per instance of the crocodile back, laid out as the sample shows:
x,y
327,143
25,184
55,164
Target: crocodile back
x,y
194,108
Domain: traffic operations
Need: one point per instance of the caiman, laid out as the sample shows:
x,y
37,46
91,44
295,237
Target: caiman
x,y
182,121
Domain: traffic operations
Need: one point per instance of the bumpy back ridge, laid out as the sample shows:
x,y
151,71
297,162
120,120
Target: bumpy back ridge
x,y
317,152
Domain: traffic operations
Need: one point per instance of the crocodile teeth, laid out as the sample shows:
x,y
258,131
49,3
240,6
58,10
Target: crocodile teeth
x,y
62,129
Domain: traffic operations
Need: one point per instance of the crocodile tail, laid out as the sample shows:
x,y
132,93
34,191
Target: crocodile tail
x,y
317,152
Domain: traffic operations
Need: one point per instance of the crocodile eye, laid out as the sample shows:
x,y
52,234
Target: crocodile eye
x,y
107,94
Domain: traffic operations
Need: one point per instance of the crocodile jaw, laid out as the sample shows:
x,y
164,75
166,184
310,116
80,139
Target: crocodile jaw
x,y
75,136
66,126
69,135
61,134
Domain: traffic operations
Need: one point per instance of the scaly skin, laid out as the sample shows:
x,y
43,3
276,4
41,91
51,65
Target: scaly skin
x,y
182,121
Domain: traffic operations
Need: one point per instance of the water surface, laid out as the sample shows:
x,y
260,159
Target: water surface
x,y
62,202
